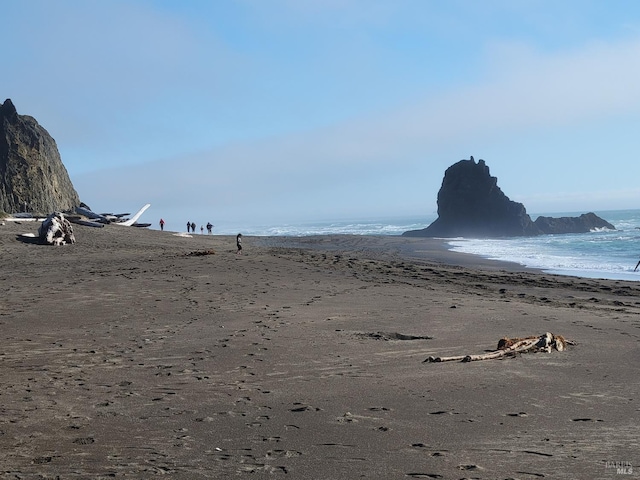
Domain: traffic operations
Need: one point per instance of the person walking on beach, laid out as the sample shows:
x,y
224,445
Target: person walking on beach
x,y
209,227
201,230
239,244
193,227
161,224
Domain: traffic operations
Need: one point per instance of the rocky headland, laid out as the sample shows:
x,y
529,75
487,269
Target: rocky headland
x,y
32,176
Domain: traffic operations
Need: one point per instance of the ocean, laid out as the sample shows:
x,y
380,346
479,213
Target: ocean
x,y
372,226
610,254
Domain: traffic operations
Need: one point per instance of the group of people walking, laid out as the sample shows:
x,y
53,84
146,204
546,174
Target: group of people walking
x,y
191,227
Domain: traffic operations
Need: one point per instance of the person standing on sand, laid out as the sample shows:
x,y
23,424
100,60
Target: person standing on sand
x,y
201,230
188,227
193,227
209,227
239,244
161,224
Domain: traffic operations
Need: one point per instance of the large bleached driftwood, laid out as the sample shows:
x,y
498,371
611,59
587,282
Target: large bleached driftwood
x,y
509,346
56,230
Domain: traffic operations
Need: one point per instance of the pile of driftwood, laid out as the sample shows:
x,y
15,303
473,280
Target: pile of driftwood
x,y
56,230
511,346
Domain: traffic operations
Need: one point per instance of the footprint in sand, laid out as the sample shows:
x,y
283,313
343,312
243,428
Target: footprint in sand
x,y
84,440
283,453
41,460
304,408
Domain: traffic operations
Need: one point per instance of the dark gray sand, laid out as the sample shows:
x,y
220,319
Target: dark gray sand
x,y
132,354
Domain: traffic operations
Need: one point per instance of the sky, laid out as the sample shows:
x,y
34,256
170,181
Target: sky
x,y
267,112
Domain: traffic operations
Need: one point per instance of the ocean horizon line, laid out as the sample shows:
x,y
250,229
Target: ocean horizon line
x,y
356,225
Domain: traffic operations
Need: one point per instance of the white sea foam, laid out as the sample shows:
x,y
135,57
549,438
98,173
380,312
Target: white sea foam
x,y
603,253
394,226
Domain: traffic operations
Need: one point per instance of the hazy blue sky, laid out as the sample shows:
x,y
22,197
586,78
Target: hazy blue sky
x,y
272,111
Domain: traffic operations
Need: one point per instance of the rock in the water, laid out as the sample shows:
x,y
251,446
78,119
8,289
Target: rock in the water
x,y
470,204
582,224
32,176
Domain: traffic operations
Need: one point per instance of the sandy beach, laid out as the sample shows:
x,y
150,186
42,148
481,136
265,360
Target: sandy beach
x,y
141,354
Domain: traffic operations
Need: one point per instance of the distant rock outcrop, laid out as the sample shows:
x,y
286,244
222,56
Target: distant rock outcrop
x,y
582,224
470,204
32,176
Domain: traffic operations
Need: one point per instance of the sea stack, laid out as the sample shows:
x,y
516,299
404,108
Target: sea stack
x,y
471,204
32,176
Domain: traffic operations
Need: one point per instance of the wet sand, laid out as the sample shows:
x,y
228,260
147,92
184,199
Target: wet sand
x,y
133,354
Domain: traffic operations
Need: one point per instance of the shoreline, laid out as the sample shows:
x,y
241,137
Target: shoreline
x,y
436,250
421,249
135,353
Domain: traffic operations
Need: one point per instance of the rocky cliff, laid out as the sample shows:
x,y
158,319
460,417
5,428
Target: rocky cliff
x,y
470,204
32,176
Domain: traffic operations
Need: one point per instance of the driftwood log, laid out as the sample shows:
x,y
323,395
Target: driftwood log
x,y
511,346
56,230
